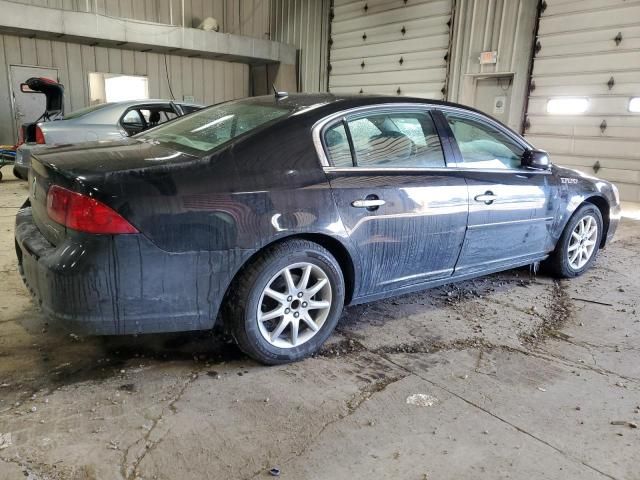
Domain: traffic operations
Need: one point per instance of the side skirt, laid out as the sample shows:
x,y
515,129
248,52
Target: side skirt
x,y
444,281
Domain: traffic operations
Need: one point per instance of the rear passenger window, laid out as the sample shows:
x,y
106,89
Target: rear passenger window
x,y
337,145
396,139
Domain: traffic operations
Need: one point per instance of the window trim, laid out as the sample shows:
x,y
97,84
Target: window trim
x,y
319,129
147,106
458,165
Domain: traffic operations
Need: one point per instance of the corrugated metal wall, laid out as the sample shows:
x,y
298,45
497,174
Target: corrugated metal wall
x,y
305,24
505,26
241,17
208,81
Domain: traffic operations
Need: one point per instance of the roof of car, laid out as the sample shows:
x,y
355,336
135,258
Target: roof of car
x,y
151,101
309,101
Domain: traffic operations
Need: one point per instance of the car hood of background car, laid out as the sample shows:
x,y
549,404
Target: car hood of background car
x,y
108,157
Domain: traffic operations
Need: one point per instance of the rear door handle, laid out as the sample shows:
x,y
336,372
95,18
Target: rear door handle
x,y
487,198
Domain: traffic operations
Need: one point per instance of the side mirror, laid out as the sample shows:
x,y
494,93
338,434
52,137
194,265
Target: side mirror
x,y
536,160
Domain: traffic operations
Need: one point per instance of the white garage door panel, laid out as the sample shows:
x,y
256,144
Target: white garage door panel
x,y
630,75
622,14
607,45
586,63
385,63
348,9
426,90
625,89
439,43
556,7
589,146
598,106
577,58
390,33
591,130
390,78
393,12
586,163
371,54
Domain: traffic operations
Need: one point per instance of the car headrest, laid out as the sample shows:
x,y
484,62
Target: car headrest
x,y
154,117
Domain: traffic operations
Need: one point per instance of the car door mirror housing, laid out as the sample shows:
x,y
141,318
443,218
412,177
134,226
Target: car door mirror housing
x,y
536,159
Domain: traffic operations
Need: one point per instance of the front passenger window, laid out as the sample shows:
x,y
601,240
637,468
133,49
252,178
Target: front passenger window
x,y
483,146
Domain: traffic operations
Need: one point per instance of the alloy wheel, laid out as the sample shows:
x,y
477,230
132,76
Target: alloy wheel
x,y
294,305
582,243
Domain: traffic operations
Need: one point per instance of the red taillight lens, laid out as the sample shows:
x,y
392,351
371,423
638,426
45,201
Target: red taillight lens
x,y
84,214
39,136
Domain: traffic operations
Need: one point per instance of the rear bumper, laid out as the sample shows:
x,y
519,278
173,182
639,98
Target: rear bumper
x,y
123,284
21,172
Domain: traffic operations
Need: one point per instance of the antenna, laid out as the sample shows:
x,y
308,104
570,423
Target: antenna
x,y
278,94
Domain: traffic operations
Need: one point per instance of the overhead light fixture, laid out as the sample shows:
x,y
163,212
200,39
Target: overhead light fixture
x,y
567,106
634,105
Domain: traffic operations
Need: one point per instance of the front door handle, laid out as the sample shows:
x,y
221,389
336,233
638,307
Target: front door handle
x,y
369,203
487,197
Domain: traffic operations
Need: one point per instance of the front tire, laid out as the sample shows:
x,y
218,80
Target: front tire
x,y
578,246
286,303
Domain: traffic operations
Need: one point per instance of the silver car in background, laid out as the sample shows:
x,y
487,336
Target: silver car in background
x,y
107,121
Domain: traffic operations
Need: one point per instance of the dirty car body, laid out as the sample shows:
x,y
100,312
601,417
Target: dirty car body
x,y
200,215
103,122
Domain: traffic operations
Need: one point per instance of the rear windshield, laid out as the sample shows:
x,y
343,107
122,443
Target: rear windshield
x,y
207,129
83,111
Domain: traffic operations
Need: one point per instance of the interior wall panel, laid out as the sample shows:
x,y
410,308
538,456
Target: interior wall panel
x,y
242,17
74,63
304,24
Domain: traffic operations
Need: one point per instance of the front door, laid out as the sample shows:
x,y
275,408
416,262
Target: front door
x,y
28,107
404,211
511,209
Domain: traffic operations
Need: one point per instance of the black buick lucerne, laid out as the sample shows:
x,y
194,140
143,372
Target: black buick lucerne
x,y
269,214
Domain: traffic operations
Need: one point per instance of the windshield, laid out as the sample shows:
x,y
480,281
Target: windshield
x,y
207,129
84,111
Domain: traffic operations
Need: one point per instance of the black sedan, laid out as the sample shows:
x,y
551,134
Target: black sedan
x,y
267,215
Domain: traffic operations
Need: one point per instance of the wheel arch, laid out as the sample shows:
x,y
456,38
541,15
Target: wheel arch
x,y
334,246
603,205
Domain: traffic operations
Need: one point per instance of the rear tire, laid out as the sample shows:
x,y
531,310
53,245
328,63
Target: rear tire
x,y
578,246
286,303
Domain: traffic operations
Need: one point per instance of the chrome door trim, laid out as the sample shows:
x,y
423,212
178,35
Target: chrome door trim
x,y
387,170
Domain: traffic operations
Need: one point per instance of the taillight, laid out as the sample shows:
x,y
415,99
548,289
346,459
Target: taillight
x,y
39,135
84,214
20,136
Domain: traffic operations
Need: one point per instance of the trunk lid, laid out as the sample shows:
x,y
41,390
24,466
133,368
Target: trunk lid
x,y
54,93
85,168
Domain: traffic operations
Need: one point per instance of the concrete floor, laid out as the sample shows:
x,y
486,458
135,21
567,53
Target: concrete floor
x,y
517,376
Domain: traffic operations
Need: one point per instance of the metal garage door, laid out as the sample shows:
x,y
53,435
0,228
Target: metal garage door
x,y
390,46
588,58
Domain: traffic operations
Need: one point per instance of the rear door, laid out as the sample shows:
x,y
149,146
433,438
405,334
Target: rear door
x,y
405,212
511,209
